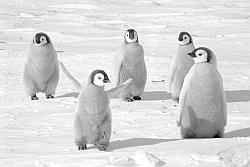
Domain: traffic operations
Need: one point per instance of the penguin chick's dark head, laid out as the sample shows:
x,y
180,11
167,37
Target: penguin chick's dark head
x,y
99,78
131,36
201,55
41,39
185,38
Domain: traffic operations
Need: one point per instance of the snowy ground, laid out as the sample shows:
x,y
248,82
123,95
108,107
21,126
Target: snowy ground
x,y
87,35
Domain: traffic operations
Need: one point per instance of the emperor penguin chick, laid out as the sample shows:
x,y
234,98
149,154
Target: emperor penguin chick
x,y
41,70
129,63
180,64
92,123
202,105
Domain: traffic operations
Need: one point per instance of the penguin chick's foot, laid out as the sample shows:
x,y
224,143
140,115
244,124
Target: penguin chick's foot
x,y
49,96
102,147
128,100
34,97
82,147
137,98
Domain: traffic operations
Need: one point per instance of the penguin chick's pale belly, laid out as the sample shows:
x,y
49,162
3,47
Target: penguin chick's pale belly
x,y
133,66
94,115
202,110
41,66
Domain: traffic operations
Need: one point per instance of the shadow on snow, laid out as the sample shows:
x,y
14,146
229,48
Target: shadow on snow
x,y
237,96
231,96
71,94
245,132
146,96
156,95
134,142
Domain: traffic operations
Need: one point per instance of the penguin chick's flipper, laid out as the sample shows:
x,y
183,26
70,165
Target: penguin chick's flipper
x,y
182,98
34,97
172,70
70,77
117,66
224,105
128,99
116,90
137,98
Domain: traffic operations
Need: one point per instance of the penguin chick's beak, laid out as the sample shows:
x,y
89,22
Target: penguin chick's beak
x,y
192,55
36,40
180,39
106,80
131,35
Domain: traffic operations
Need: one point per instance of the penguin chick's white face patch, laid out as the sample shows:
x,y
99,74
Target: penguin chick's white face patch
x,y
43,41
185,40
200,56
98,79
131,36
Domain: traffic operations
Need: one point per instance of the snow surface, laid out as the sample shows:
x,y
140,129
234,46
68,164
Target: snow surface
x,y
87,34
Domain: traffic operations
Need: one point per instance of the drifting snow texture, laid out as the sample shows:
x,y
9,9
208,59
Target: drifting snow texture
x,y
87,34
237,155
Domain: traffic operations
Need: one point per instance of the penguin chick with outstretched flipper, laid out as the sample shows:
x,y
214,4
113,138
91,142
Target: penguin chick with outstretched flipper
x,y
202,106
92,123
180,64
41,71
111,92
129,63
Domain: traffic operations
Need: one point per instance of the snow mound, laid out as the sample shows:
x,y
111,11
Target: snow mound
x,y
237,156
122,161
140,158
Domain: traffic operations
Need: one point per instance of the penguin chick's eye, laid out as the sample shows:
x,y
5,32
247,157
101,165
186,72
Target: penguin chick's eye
x,y
42,38
99,76
200,53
